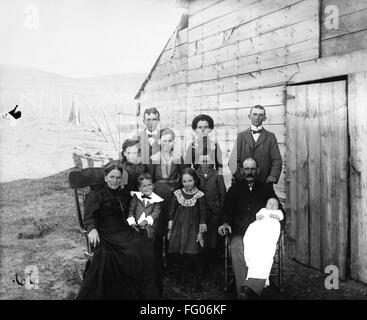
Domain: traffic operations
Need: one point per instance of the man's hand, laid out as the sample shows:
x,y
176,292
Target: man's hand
x,y
93,237
274,216
143,223
259,216
271,179
224,229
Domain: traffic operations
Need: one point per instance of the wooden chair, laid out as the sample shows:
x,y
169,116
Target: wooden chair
x,y
82,181
277,269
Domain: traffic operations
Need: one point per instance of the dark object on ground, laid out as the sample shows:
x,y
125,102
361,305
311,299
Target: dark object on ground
x,y
34,228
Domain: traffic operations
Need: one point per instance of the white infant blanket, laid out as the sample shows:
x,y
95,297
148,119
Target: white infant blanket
x,y
260,242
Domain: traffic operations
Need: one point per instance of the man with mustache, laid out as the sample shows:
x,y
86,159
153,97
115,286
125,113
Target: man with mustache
x,y
243,200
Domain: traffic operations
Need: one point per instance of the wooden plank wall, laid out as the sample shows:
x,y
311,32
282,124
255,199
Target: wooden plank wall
x,y
228,41
166,88
358,173
351,33
236,53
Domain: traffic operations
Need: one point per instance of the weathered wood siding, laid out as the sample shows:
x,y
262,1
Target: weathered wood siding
x,y
358,174
232,51
343,26
317,174
166,88
237,53
228,41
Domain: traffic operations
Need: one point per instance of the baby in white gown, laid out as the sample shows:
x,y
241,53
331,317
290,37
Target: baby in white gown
x,y
260,241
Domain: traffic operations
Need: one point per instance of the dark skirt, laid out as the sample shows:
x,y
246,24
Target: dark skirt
x,y
185,229
123,267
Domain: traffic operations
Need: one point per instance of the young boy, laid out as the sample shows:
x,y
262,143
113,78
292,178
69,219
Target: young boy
x,y
260,240
145,206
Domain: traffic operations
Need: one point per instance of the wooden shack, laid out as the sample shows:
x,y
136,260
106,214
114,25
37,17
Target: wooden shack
x,y
306,62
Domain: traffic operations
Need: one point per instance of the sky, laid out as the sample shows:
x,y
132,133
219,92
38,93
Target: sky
x,y
85,38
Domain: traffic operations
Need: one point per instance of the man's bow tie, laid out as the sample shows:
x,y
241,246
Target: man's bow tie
x,y
257,131
150,135
146,197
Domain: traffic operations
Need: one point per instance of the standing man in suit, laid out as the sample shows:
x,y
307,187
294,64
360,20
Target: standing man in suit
x,y
243,200
260,144
149,136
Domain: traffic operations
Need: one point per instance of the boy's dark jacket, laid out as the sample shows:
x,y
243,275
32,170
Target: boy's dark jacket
x,y
152,209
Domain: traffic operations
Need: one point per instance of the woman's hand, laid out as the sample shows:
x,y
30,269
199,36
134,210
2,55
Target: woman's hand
x,y
259,216
200,239
271,179
93,237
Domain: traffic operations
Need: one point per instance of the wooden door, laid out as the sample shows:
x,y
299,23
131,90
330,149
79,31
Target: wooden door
x,y
357,97
317,174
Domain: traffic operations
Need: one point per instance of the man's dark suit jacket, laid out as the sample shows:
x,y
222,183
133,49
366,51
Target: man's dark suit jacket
x,y
241,205
265,151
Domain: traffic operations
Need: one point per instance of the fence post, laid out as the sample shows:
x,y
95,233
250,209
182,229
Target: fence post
x,y
60,104
74,113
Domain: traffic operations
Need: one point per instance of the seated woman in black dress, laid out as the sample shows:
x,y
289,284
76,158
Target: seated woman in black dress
x,y
123,265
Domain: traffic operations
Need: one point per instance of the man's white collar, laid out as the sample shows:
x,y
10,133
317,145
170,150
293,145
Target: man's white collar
x,y
155,132
256,128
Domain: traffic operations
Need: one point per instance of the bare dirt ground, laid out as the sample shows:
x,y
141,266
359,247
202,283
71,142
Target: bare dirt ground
x,y
39,225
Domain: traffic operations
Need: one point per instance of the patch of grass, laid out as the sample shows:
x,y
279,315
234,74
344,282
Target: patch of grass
x,y
33,228
21,191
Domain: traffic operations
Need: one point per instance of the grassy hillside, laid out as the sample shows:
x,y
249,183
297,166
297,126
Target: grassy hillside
x,y
51,95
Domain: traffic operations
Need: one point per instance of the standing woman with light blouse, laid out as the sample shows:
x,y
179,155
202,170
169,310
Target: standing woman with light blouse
x,y
166,169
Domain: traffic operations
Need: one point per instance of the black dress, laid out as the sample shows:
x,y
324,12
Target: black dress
x,y
187,212
133,171
123,265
